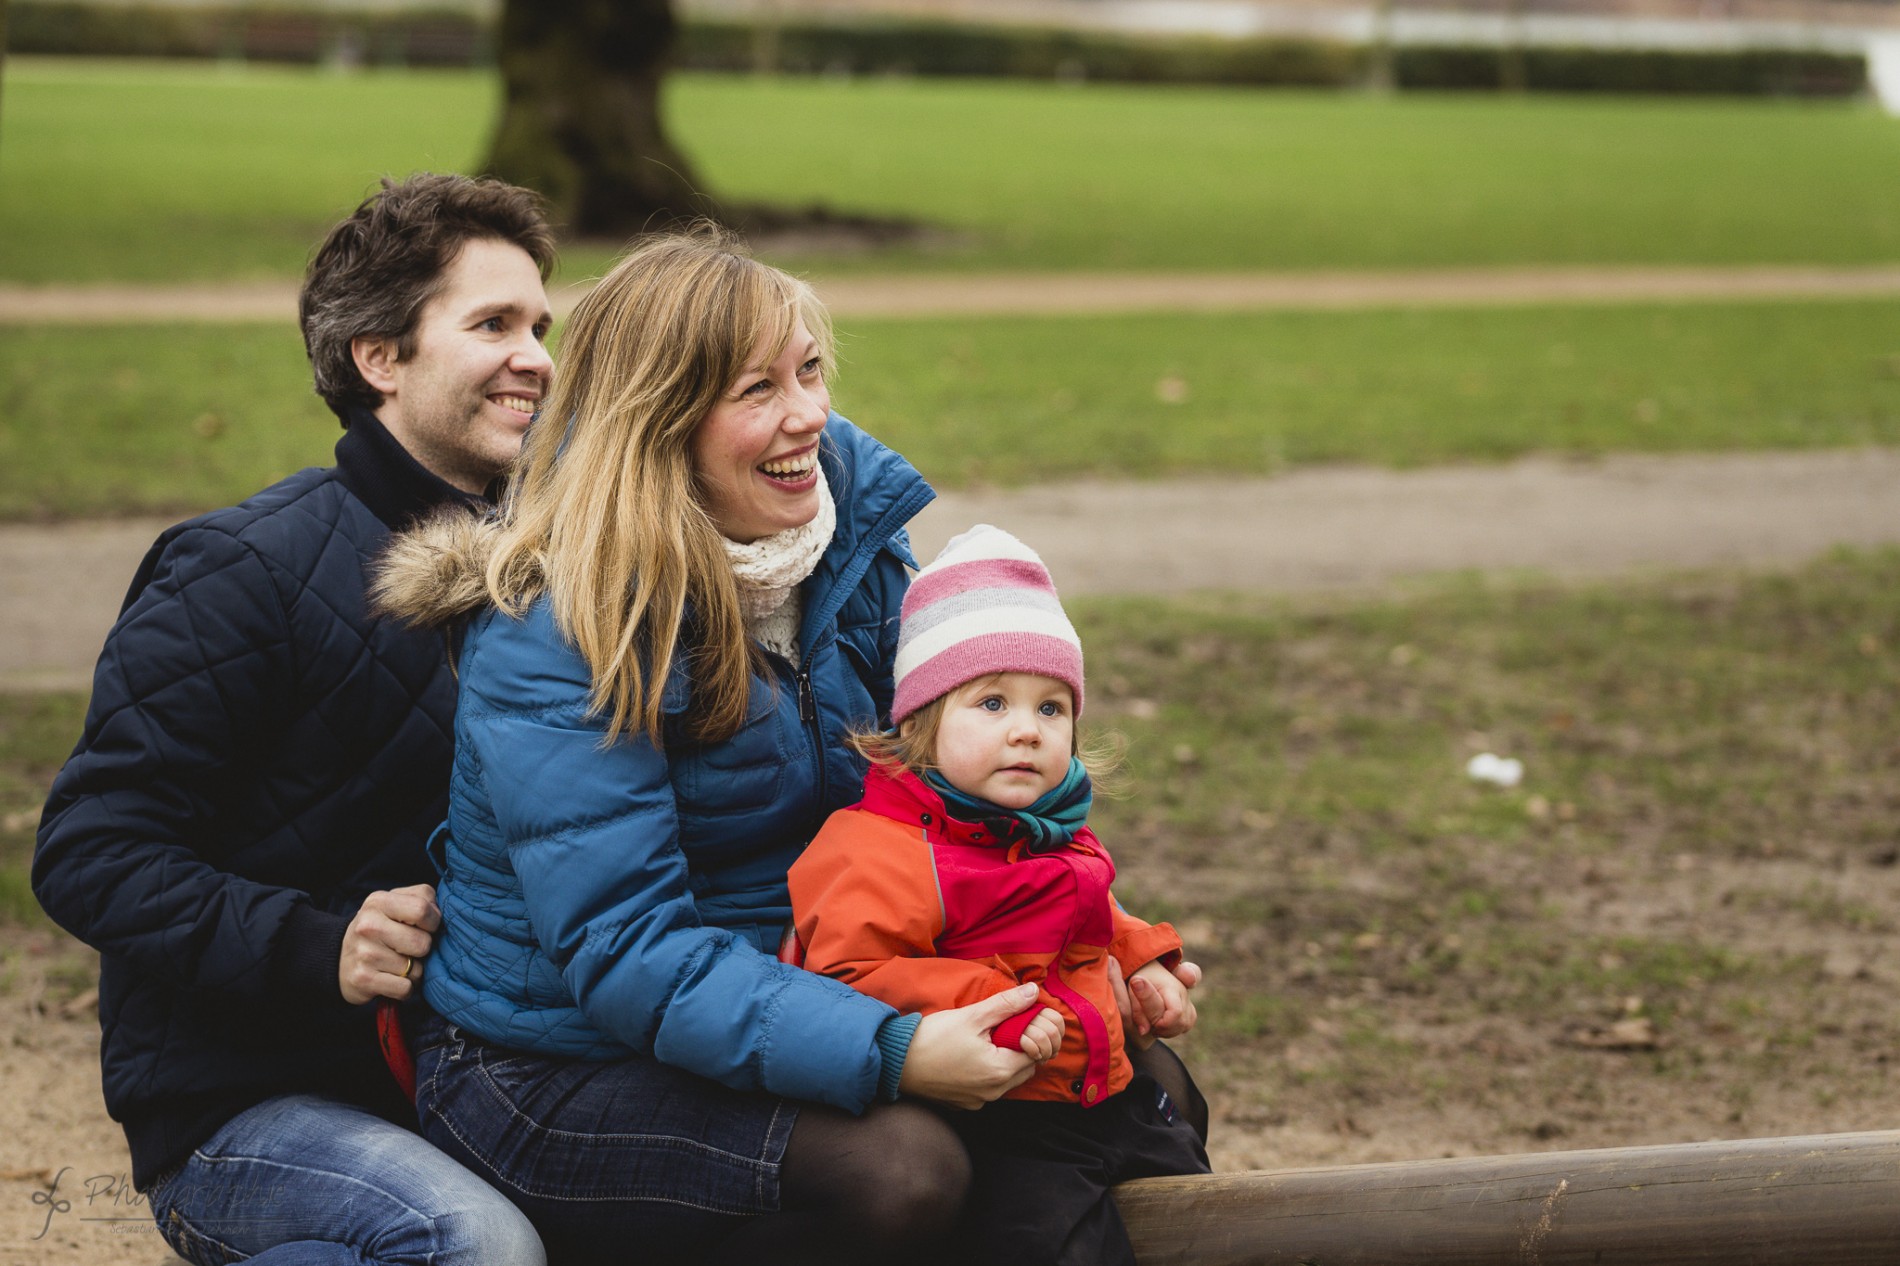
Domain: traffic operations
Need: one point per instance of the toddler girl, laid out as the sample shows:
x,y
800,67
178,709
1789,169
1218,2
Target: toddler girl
x,y
967,869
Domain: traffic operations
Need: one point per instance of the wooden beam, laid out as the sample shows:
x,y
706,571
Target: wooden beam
x,y
1819,1200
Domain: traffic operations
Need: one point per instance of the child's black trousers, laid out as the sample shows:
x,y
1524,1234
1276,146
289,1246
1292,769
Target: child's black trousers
x,y
1043,1171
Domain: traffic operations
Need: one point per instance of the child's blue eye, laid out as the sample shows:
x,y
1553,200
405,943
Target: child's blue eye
x,y
991,704
1051,708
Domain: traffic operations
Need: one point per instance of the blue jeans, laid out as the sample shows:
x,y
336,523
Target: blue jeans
x,y
307,1181
603,1156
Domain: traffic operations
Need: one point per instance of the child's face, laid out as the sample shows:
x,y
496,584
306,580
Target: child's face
x,y
1007,738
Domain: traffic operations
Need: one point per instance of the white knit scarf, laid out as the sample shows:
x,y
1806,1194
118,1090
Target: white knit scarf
x,y
770,570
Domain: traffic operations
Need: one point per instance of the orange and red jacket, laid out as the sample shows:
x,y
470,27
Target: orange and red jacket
x,y
928,913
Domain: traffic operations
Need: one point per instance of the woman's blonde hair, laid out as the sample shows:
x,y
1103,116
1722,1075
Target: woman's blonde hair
x,y
913,745
604,513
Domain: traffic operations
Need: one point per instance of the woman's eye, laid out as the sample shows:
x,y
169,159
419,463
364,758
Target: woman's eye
x,y
810,367
758,388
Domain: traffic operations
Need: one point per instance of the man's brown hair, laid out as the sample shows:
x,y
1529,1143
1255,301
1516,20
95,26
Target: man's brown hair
x,y
376,270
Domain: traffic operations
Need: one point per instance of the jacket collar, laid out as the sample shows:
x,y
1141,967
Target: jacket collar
x,y
877,493
894,792
396,487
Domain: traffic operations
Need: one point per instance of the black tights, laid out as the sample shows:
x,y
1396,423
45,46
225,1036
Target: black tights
x,y
888,1185
884,1186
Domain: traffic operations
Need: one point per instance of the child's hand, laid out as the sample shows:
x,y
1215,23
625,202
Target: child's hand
x,y
1161,1005
1043,1038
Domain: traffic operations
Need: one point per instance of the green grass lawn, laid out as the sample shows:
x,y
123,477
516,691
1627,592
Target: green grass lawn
x,y
113,420
1704,842
164,171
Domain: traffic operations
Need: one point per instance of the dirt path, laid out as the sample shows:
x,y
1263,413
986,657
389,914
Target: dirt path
x,y
1058,294
1310,529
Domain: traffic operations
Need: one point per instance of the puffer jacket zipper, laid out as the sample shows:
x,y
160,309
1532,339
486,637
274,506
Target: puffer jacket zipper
x,y
822,612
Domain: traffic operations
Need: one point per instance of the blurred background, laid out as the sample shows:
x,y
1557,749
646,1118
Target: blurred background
x,y
1391,385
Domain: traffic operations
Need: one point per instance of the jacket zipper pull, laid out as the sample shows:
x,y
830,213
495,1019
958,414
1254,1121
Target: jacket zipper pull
x,y
807,706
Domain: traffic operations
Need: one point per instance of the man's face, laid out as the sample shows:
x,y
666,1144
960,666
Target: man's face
x,y
461,403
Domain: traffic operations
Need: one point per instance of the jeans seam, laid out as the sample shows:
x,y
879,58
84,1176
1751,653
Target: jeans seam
x,y
778,1110
192,1236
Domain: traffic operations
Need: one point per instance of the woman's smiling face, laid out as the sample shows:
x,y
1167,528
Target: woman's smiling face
x,y
756,453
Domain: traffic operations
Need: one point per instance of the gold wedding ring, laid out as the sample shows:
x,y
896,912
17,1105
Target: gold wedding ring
x,y
408,965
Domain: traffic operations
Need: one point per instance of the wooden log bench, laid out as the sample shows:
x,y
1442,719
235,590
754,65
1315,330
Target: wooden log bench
x,y
1819,1200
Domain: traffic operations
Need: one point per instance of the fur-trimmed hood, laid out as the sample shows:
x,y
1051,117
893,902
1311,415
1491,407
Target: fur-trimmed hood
x,y
435,574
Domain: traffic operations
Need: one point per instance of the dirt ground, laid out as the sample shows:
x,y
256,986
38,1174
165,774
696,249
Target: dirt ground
x,y
58,1138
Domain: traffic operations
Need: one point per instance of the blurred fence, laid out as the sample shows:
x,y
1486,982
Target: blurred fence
x,y
1408,49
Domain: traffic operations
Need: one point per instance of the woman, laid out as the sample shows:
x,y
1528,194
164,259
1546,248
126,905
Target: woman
x,y
689,598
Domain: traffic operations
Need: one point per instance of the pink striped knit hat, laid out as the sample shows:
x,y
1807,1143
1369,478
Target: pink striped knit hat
x,y
984,605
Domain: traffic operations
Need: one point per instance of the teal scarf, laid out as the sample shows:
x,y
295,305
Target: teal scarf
x,y
1044,826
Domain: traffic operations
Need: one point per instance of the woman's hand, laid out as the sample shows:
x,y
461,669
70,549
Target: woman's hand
x,y
953,1061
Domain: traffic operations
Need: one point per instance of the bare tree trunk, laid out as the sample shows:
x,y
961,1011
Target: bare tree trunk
x,y
581,114
1511,72
1381,75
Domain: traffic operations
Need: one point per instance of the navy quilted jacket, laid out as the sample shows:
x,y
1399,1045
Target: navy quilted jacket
x,y
605,899
258,756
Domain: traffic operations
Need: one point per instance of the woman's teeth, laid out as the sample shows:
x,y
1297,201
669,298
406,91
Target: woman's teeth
x,y
791,468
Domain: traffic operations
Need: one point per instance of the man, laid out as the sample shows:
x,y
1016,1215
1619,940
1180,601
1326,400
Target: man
x,y
241,830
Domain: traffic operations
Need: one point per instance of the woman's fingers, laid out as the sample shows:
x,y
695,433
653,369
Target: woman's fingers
x,y
952,1059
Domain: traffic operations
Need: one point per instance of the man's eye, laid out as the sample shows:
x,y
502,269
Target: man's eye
x,y
540,333
492,325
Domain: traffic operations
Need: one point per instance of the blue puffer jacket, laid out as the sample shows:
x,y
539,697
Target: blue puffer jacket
x,y
599,901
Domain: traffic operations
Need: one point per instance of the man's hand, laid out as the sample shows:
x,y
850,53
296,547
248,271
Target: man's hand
x,y
1138,1021
386,942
